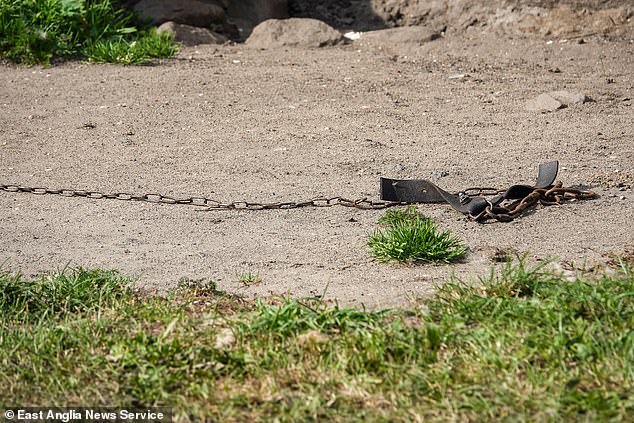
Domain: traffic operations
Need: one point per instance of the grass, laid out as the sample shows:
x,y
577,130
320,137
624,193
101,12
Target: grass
x,y
39,31
522,344
141,50
249,278
410,237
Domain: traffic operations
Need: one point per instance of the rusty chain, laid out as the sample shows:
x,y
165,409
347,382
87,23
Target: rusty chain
x,y
557,194
204,202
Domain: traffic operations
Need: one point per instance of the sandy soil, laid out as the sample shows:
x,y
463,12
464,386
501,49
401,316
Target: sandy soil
x,y
239,124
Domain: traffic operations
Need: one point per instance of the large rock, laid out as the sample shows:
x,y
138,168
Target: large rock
x,y
192,35
293,32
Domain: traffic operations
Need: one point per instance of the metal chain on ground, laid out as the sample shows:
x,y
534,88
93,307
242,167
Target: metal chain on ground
x,y
557,194
207,203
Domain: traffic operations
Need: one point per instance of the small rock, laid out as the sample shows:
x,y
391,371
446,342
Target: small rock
x,y
293,32
402,35
191,35
555,100
569,99
224,339
543,103
437,174
352,35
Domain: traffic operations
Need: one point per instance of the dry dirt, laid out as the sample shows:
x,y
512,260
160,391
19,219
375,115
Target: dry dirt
x,y
235,123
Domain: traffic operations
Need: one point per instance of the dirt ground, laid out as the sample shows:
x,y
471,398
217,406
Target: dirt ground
x,y
234,123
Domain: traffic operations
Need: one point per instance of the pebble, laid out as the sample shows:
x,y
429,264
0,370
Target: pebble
x,y
439,174
568,98
543,103
554,100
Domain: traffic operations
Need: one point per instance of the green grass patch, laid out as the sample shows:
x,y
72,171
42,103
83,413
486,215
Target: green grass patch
x,y
38,31
407,236
67,293
152,45
249,278
523,344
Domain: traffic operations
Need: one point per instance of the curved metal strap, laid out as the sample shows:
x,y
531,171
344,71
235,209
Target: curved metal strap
x,y
546,174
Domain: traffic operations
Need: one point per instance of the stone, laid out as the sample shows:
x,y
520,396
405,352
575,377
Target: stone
x,y
543,103
192,35
439,173
554,100
405,35
293,32
569,99
224,339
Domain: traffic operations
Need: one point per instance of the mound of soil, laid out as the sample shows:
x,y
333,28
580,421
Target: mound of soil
x,y
556,18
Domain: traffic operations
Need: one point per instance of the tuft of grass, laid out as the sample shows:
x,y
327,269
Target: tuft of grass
x,y
121,51
197,287
69,292
521,344
410,237
249,278
38,31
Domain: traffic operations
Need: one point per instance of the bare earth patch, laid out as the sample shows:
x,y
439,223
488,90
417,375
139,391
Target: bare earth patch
x,y
235,123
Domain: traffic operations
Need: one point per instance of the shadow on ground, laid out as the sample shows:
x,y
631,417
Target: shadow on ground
x,y
355,15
